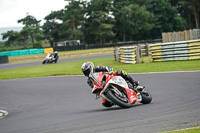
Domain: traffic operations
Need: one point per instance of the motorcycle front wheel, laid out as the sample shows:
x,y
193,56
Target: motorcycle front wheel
x,y
146,97
44,62
120,100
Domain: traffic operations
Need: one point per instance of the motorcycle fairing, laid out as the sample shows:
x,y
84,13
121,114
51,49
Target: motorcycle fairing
x,y
116,82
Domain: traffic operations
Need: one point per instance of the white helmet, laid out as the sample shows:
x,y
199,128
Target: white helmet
x,y
87,67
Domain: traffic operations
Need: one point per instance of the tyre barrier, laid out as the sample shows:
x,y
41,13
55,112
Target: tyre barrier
x,y
3,59
127,54
174,51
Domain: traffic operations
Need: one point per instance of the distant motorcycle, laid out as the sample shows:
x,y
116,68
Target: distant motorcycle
x,y
50,59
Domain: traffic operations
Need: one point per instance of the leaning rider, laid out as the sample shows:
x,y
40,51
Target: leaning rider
x,y
88,67
55,55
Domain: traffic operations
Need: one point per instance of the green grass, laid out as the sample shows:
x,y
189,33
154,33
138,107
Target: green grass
x,y
192,130
62,55
74,68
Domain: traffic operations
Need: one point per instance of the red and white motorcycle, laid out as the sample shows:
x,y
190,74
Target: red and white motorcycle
x,y
116,90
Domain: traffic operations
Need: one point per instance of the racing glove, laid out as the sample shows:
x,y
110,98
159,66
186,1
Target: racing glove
x,y
110,70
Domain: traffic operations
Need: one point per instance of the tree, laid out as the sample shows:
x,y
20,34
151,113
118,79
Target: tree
x,y
11,37
33,26
73,20
194,8
100,22
117,13
29,20
52,26
23,36
166,18
134,20
14,36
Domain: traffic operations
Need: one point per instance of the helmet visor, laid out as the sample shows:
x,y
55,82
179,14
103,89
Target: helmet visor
x,y
86,72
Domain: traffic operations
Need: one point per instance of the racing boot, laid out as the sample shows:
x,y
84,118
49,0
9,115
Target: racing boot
x,y
133,85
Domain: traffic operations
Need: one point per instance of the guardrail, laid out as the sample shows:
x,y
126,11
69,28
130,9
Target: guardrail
x,y
174,51
127,54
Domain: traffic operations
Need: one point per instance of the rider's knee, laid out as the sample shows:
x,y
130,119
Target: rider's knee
x,y
107,104
120,73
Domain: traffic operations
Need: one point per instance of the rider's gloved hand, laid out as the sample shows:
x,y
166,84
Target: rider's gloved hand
x,y
110,70
136,83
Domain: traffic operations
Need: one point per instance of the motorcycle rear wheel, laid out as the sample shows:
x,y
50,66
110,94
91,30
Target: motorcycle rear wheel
x,y
118,100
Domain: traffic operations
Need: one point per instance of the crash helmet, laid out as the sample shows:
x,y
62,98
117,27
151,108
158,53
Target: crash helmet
x,y
55,52
87,67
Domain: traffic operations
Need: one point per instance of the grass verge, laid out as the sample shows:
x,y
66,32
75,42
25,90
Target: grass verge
x,y
191,130
74,68
62,55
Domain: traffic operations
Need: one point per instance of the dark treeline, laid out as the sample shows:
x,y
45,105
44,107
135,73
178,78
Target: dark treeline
x,y
107,21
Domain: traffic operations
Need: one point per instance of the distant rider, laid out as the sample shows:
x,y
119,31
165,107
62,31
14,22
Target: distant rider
x,y
55,55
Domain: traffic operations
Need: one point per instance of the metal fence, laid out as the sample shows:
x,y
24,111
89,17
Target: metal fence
x,y
92,46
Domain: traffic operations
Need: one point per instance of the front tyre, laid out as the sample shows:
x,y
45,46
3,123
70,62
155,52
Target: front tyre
x,y
146,97
120,100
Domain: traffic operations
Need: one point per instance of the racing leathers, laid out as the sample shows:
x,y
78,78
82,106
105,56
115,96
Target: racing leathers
x,y
55,55
123,74
131,83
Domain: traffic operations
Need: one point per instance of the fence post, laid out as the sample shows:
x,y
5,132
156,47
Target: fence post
x,y
147,49
137,54
116,54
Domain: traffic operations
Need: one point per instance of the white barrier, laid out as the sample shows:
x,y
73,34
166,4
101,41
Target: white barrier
x,y
127,54
182,50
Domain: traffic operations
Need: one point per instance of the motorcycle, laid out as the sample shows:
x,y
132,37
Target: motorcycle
x,y
50,59
116,90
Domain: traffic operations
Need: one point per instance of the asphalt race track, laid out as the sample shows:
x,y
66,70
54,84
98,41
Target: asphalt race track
x,y
66,105
38,63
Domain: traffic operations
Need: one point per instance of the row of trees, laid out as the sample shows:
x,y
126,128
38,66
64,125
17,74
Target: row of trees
x,y
104,21
31,32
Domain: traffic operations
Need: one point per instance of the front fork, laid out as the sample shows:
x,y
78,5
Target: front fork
x,y
103,96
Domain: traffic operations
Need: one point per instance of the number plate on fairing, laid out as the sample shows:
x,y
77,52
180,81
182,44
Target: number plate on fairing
x,y
120,81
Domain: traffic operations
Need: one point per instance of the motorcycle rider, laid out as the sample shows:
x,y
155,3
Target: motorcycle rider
x,y
55,56
88,67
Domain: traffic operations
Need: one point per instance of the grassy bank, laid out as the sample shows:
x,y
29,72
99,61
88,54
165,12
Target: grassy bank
x,y
74,68
62,55
192,130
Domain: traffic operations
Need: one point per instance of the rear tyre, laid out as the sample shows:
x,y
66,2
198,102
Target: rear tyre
x,y
121,101
146,97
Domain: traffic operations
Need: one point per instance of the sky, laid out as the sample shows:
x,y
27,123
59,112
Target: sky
x,y
13,10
